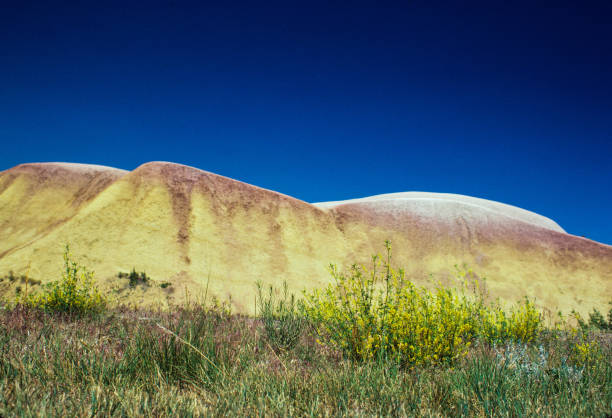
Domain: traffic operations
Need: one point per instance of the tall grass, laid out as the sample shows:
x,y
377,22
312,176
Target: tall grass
x,y
282,321
125,363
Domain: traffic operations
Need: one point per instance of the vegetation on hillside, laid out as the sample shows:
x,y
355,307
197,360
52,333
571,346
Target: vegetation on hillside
x,y
372,343
596,320
378,312
74,294
135,278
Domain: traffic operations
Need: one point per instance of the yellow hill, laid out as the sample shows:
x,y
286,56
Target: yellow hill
x,y
189,227
37,198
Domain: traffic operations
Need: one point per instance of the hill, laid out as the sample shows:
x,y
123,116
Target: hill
x,y
197,230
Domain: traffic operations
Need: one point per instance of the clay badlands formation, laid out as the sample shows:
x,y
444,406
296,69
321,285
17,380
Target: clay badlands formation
x,y
189,227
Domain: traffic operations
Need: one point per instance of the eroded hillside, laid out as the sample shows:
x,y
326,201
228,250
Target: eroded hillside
x,y
197,230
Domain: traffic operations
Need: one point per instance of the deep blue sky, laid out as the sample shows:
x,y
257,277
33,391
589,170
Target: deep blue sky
x,y
509,101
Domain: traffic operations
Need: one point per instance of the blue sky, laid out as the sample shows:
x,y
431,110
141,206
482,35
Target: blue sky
x,y
509,101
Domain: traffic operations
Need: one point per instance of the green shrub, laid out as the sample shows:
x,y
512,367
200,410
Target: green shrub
x,y
378,313
75,293
138,278
282,321
135,278
596,320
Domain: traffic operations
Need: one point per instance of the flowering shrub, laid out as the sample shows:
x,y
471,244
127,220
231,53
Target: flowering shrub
x,y
586,353
75,293
522,323
376,312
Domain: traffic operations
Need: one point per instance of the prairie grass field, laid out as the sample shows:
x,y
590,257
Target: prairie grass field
x,y
127,363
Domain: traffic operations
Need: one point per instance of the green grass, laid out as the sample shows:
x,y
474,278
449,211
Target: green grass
x,y
207,362
282,321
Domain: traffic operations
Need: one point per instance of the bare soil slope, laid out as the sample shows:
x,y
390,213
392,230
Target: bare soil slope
x,y
195,229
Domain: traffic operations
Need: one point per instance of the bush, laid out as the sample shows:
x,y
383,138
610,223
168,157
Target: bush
x,y
75,293
135,278
378,313
596,320
282,321
521,324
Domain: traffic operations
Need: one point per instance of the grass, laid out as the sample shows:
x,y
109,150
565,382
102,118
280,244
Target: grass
x,y
282,322
207,362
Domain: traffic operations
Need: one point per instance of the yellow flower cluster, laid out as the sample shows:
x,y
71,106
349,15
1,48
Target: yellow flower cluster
x,y
586,353
377,311
75,293
522,323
